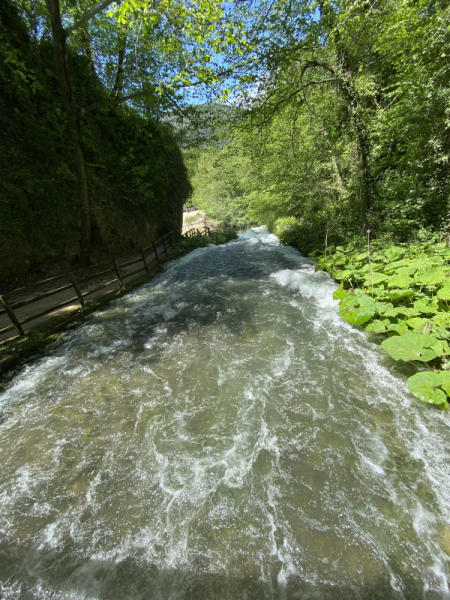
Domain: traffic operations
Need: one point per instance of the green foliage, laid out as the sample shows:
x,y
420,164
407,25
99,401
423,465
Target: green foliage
x,y
216,238
219,179
411,346
427,386
414,317
357,309
349,128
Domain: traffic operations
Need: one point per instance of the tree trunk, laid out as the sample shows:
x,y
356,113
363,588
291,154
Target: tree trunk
x,y
118,85
74,114
354,105
362,136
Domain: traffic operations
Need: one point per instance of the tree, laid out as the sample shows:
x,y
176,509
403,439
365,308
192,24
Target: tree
x,y
187,45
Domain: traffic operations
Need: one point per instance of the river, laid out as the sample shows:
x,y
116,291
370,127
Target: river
x,y
221,433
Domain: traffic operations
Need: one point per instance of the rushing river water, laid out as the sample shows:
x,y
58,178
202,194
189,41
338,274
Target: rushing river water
x,y
221,433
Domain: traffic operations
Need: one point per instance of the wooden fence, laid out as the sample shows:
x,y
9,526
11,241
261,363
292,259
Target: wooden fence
x,y
101,275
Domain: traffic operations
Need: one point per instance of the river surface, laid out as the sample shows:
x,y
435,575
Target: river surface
x,y
221,433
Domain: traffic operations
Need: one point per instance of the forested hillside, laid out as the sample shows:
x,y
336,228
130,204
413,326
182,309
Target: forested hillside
x,y
137,179
345,123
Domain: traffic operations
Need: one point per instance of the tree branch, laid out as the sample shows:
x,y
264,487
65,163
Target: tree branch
x,y
294,93
115,101
87,17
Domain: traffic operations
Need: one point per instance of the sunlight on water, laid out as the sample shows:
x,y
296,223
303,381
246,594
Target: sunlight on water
x,y
221,433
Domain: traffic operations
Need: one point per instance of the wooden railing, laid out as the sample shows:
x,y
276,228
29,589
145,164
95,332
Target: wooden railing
x,y
206,232
105,274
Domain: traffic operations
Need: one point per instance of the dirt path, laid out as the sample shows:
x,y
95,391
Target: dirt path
x,y
199,222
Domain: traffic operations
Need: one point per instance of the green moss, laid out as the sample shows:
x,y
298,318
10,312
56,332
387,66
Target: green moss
x,y
137,179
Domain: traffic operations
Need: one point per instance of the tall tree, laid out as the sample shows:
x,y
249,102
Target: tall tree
x,y
176,40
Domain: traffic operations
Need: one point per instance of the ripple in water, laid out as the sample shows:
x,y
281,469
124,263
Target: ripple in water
x,y
221,433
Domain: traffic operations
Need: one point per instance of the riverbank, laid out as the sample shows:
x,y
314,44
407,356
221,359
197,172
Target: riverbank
x,y
400,294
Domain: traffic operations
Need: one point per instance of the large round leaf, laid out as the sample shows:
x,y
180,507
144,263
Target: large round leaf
x,y
422,306
400,327
410,346
394,253
377,278
440,347
378,326
444,293
445,381
430,277
425,386
402,281
397,294
340,293
417,323
442,319
357,310
405,270
395,265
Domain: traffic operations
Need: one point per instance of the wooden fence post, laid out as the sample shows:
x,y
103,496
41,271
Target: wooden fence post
x,y
116,268
156,253
11,315
77,289
145,262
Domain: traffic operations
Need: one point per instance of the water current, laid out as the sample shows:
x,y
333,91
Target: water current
x,y
221,433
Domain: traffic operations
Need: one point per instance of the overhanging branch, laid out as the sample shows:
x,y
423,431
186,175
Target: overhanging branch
x,y
116,101
87,17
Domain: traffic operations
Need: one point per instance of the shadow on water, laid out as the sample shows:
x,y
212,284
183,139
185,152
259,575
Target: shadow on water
x,y
135,579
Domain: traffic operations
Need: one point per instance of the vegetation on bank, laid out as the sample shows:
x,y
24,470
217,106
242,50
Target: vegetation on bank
x,y
401,293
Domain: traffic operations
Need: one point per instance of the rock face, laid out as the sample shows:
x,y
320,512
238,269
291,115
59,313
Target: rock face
x,y
137,179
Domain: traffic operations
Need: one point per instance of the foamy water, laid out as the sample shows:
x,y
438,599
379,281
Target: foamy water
x,y
221,433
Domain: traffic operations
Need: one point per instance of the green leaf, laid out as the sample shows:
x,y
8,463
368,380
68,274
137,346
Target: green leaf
x,y
340,293
441,333
442,319
445,381
425,386
440,347
378,326
400,328
400,310
394,253
357,309
382,307
343,275
410,346
444,293
400,281
417,323
405,271
430,277
395,265
377,278
422,306
397,294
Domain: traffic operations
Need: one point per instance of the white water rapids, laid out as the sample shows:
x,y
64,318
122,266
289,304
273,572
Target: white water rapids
x,y
222,434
